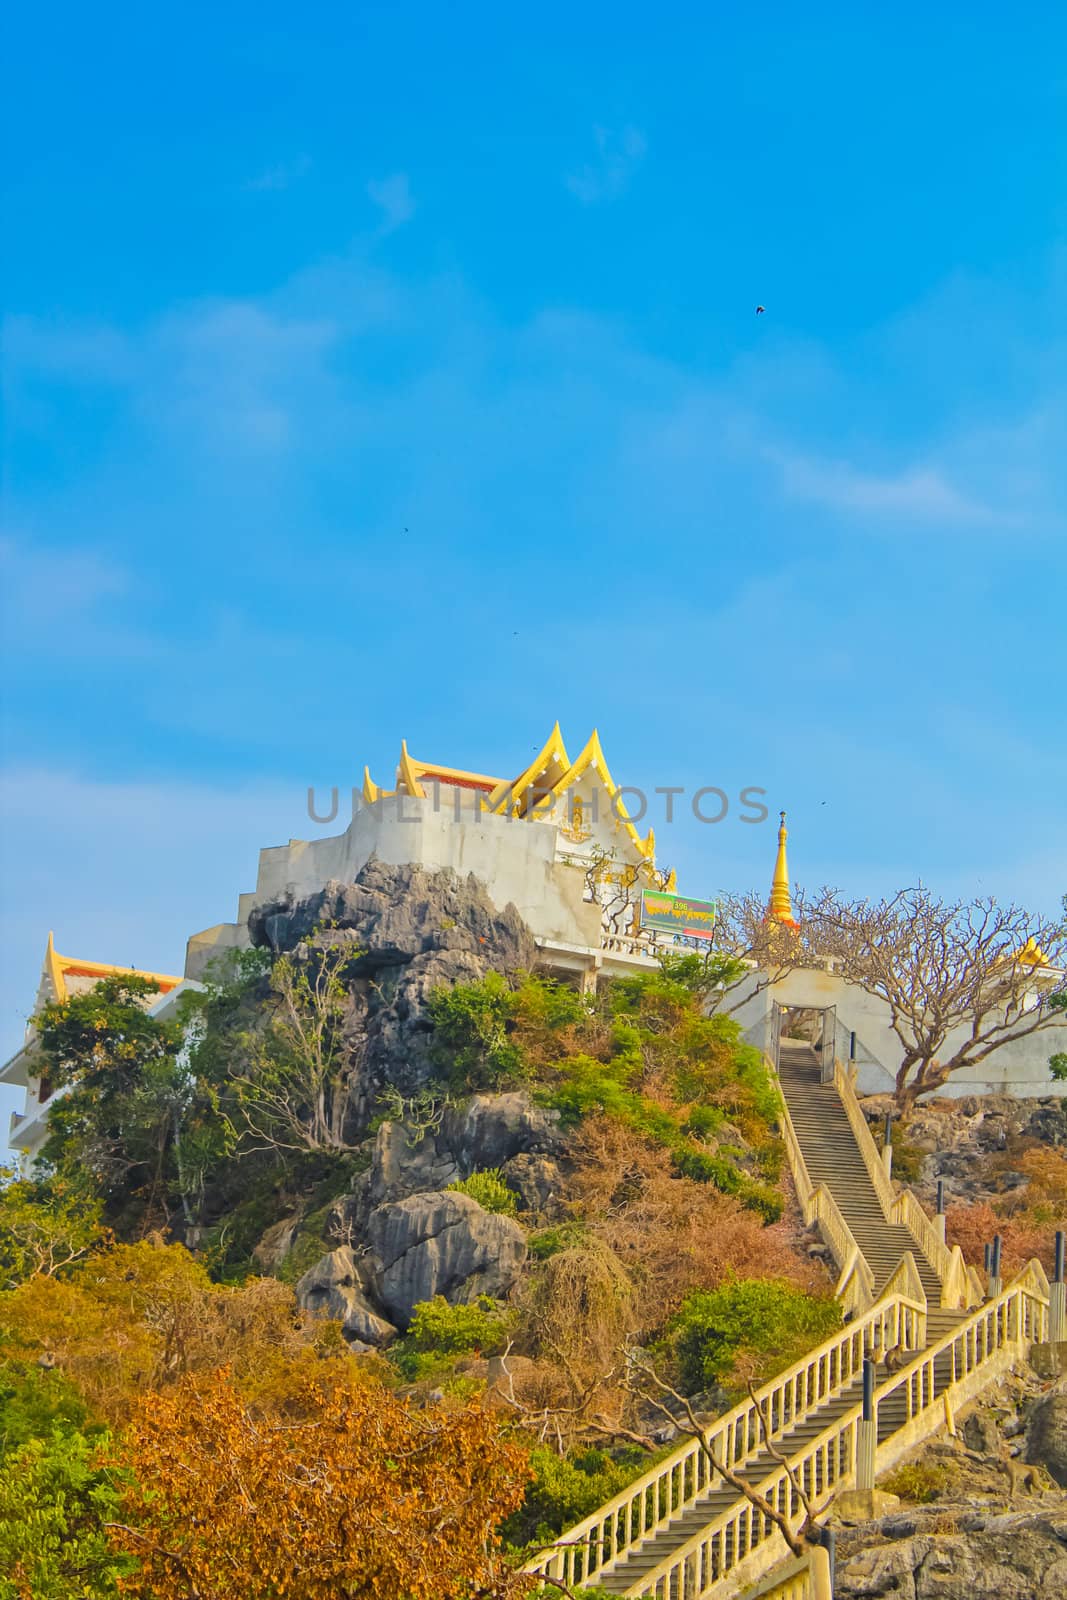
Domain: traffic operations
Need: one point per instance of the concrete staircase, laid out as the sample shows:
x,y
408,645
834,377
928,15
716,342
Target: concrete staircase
x,y
625,1578
833,1157
664,1540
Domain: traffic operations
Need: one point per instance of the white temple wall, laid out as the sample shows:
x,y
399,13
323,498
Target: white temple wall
x,y
516,861
1018,1068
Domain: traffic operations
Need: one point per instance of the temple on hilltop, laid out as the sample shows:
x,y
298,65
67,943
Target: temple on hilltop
x,y
556,841
63,977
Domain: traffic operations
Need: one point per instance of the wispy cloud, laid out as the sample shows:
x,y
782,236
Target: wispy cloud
x,y
50,586
916,493
619,152
281,176
394,200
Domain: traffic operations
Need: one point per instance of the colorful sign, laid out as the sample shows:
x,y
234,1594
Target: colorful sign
x,y
673,913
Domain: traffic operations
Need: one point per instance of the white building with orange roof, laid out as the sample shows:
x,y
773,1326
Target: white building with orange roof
x,y
61,978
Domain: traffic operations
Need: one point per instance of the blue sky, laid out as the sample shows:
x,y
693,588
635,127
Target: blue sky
x,y
376,372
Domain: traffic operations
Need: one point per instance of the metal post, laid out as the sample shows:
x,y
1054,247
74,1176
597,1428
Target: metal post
x,y
939,1220
887,1145
1057,1296
852,1045
995,1284
866,1430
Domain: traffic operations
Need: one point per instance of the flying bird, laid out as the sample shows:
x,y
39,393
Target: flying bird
x,y
760,310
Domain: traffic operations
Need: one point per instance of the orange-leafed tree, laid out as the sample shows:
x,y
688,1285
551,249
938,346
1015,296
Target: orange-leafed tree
x,y
350,1494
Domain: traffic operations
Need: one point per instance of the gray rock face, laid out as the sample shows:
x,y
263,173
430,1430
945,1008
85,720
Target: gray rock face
x,y
1011,1557
954,1136
492,1128
535,1180
444,1244
413,931
490,1131
334,1287
1047,1434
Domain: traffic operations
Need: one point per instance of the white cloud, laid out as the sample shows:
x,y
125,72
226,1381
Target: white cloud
x,y
46,586
393,198
619,154
143,866
919,494
281,176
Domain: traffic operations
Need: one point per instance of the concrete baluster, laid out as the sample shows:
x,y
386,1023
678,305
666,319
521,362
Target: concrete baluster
x,y
939,1219
1057,1299
866,1431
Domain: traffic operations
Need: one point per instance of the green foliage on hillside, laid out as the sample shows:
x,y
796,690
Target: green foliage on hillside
x,y
489,1189
752,1328
57,1494
642,1051
45,1225
566,1489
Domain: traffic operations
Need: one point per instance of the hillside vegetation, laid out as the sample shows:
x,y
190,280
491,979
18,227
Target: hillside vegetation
x,y
180,1416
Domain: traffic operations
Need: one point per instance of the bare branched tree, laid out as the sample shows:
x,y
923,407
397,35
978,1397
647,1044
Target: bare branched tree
x,y
294,1093
656,1392
762,951
960,978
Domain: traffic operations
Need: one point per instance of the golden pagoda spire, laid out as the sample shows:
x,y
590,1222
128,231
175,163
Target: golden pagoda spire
x,y
780,906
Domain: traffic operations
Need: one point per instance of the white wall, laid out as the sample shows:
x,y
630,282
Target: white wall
x,y
1019,1068
515,860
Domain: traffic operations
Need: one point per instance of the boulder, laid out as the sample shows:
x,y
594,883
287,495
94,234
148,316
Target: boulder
x,y
535,1180
1046,1443
445,1244
276,1244
491,1128
981,1433
334,1287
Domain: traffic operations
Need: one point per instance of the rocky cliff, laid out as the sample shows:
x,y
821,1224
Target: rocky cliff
x,y
414,931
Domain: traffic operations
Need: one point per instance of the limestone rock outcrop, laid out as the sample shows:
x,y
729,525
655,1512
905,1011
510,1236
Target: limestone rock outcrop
x,y
918,1556
335,1287
445,1244
411,931
536,1181
1047,1434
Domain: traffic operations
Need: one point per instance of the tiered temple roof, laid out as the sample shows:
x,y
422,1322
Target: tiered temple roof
x,y
533,793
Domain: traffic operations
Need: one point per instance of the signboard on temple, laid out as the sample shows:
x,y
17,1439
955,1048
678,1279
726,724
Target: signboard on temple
x,y
674,913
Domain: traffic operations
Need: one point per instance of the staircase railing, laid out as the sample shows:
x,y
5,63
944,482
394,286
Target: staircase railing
x,y
960,1285
805,1577
652,1501
743,1543
855,1284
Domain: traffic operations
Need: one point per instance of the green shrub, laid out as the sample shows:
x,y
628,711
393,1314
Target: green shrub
x,y
764,1199
566,1489
563,1236
707,1166
454,1330
918,1481
489,1189
759,1324
471,1034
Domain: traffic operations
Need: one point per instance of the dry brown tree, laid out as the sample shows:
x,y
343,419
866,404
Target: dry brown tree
x,y
960,978
761,951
